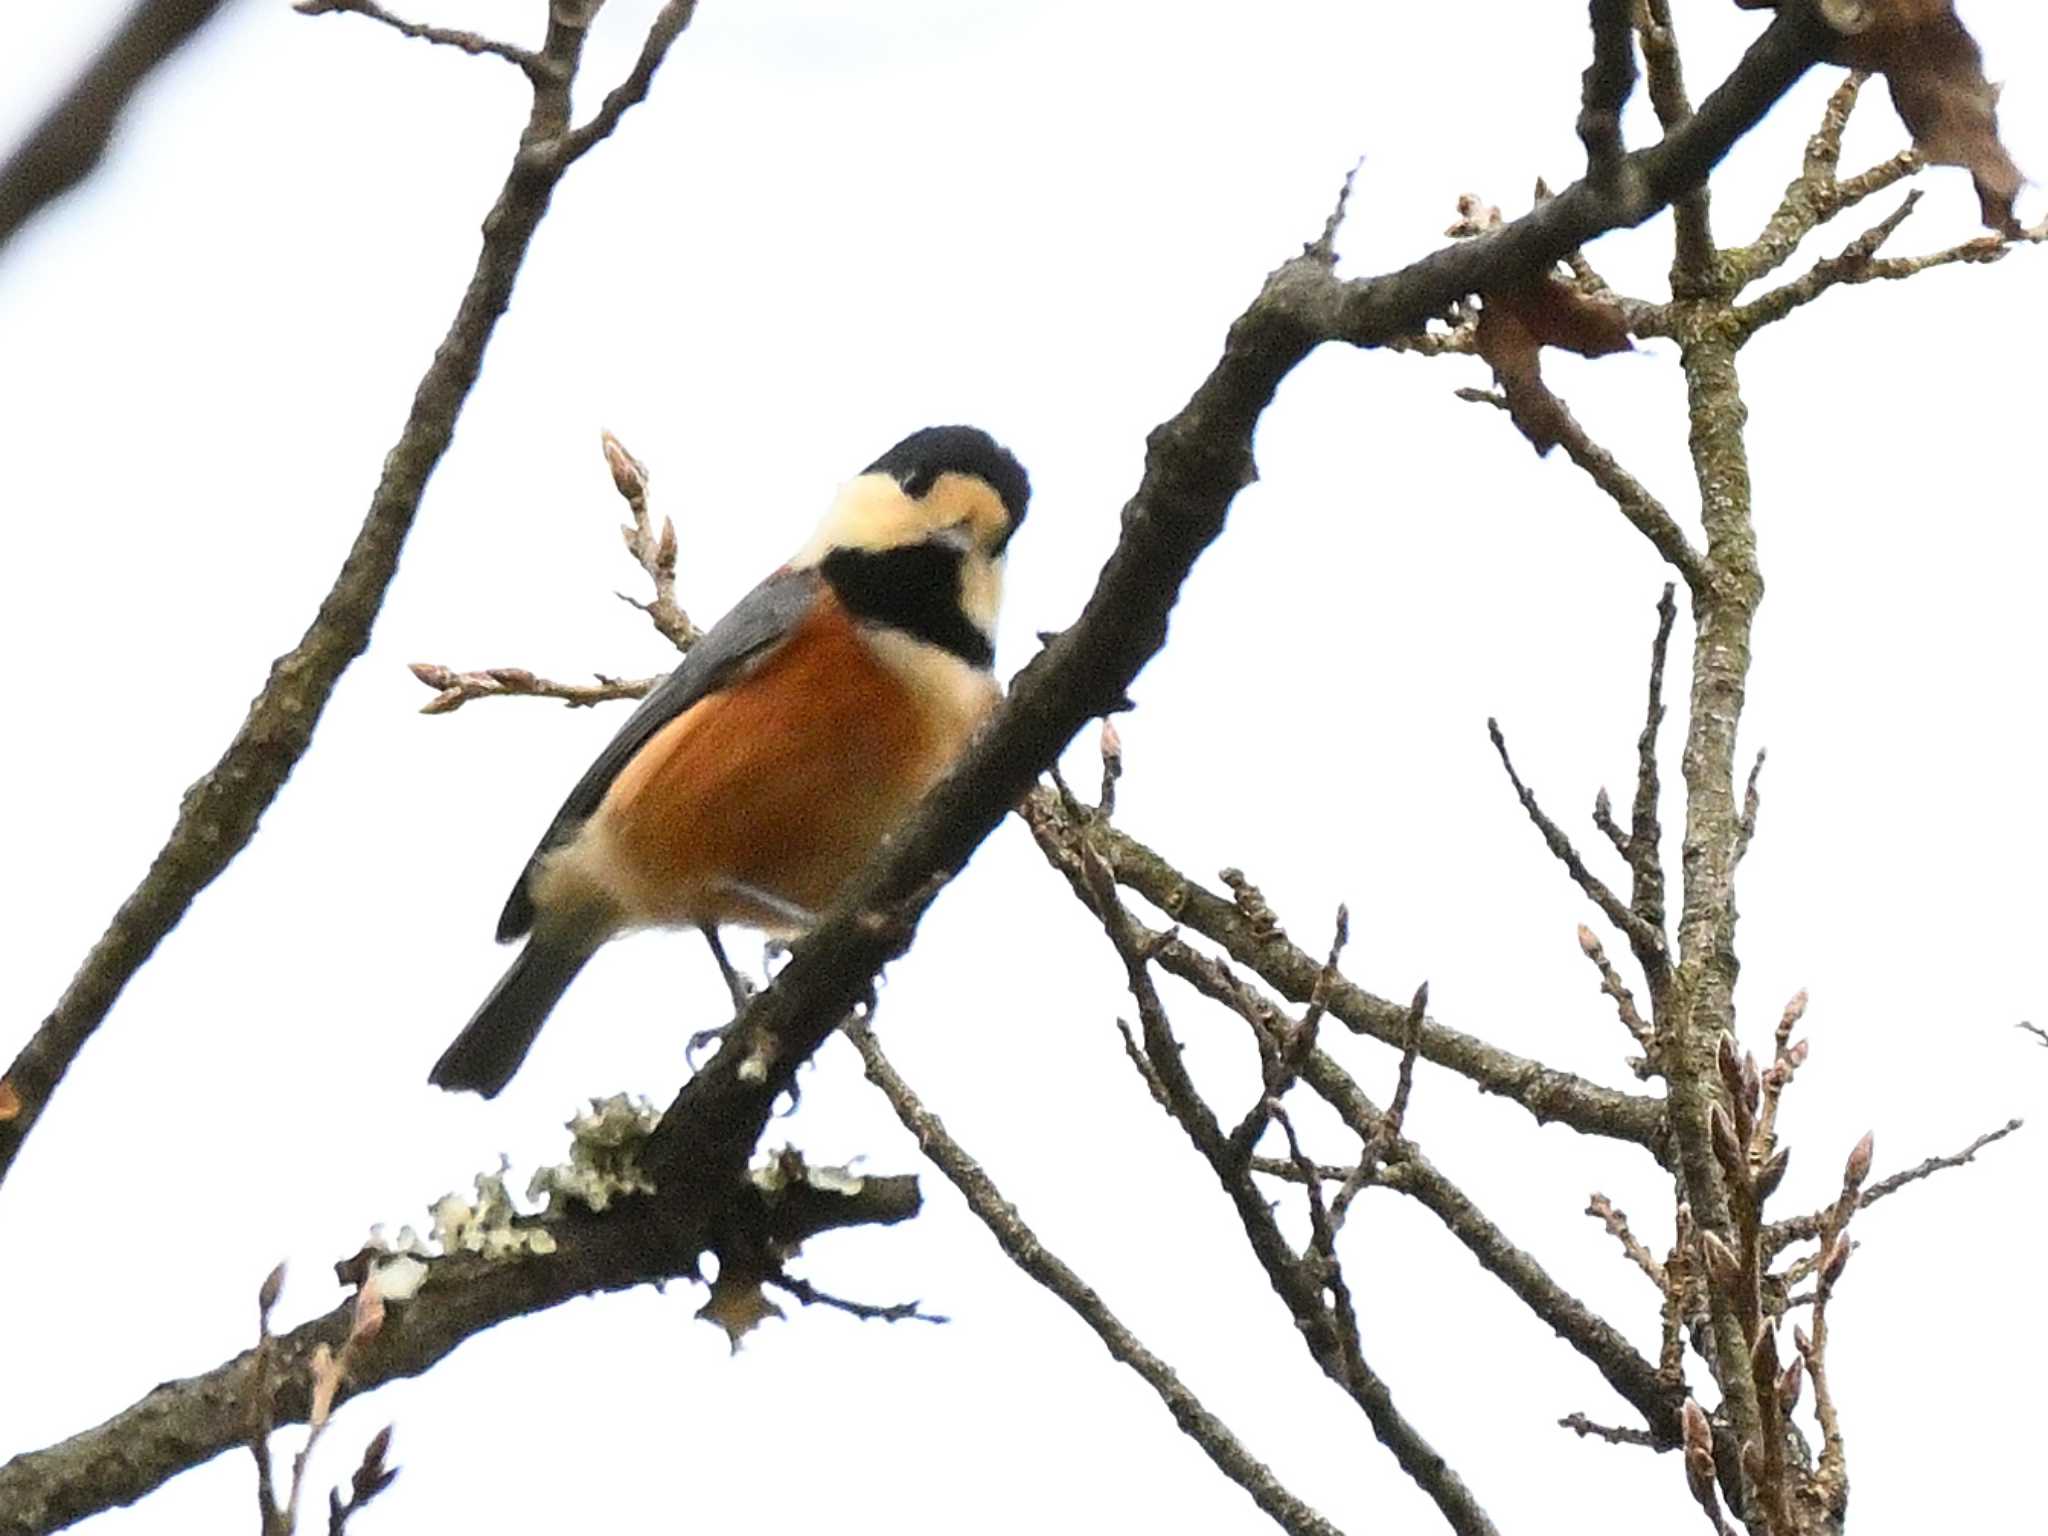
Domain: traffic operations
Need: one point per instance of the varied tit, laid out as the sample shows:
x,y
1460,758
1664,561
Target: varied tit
x,y
795,736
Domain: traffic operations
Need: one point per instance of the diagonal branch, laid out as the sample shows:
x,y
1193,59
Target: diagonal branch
x,y
1816,194
185,1423
1329,1328
219,814
1858,262
1387,1159
1646,941
1545,1092
1648,515
63,148
1410,1173
1811,197
1223,1448
1635,501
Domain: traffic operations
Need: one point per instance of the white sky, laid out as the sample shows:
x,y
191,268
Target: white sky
x,y
832,223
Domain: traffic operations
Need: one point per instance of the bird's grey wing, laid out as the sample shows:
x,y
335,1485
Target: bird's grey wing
x,y
755,625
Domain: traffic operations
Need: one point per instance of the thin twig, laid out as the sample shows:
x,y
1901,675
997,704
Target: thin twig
x,y
1386,1135
666,27
1815,195
1745,829
811,1296
1645,853
1111,747
654,551
1286,1168
1786,1059
1283,1053
1780,1235
370,1478
1616,1222
1329,1329
1029,1254
1613,1434
1810,198
327,1370
1544,1091
1643,939
1408,1172
472,43
1324,247
1858,262
1644,511
454,689
1624,1000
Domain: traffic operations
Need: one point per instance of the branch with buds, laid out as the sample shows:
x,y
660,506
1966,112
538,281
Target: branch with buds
x,y
328,1369
653,551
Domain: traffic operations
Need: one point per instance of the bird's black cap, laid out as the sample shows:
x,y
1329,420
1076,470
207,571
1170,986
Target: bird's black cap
x,y
923,456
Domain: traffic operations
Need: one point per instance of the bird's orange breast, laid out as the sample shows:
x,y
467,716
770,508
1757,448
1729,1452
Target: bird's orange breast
x,y
785,782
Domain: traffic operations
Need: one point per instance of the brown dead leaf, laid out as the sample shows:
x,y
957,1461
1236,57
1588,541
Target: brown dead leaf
x,y
1935,72
10,1101
1515,324
738,1305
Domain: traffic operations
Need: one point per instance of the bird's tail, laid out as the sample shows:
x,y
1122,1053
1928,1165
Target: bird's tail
x,y
494,1042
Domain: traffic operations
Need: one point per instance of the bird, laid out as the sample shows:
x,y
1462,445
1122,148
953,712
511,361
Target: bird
x,y
795,736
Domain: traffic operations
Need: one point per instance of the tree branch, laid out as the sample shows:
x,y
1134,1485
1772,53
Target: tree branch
x,y
1858,262
1643,510
666,27
1605,89
1645,853
471,43
219,814
654,553
454,689
182,1424
1029,1254
1386,1160
1780,1235
1647,942
63,148
1409,1172
1695,240
1329,1329
1543,1091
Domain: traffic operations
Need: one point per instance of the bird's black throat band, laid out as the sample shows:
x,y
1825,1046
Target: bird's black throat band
x,y
914,588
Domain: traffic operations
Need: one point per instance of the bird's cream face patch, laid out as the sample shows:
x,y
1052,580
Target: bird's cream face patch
x,y
873,513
